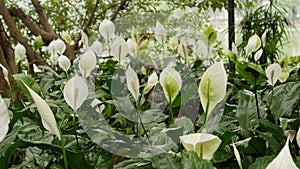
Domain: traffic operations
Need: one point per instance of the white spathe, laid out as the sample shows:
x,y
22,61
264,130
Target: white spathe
x,y
258,54
133,82
212,87
273,73
253,45
47,116
97,47
119,48
107,29
284,159
64,62
75,92
171,82
237,156
84,40
203,144
5,73
160,33
20,52
153,79
56,48
4,119
132,47
87,63
183,50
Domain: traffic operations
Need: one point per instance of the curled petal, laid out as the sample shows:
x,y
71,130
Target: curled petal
x,y
253,45
204,145
258,54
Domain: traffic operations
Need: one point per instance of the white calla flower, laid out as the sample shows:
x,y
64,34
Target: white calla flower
x,y
132,47
265,5
107,29
5,73
153,79
171,82
84,40
212,87
133,83
253,45
75,92
258,55
283,160
264,38
237,156
183,50
298,137
273,73
60,46
97,47
64,62
48,119
173,44
20,52
119,49
4,119
203,144
87,63
160,33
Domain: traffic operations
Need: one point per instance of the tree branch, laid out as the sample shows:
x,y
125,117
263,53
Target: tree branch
x,y
43,18
16,34
32,26
91,18
118,9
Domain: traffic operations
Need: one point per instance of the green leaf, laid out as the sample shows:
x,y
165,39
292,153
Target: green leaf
x,y
284,97
212,87
246,112
190,160
166,161
133,163
251,71
75,158
38,42
261,162
214,117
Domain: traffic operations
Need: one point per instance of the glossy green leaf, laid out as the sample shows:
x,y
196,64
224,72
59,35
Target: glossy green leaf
x,y
246,112
250,71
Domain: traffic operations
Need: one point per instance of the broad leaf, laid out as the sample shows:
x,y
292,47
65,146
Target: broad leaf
x,y
246,112
190,161
212,88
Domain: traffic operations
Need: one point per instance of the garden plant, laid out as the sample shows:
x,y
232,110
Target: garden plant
x,y
155,99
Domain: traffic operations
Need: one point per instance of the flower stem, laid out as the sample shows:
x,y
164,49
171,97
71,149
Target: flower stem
x,y
256,98
75,129
171,118
63,149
